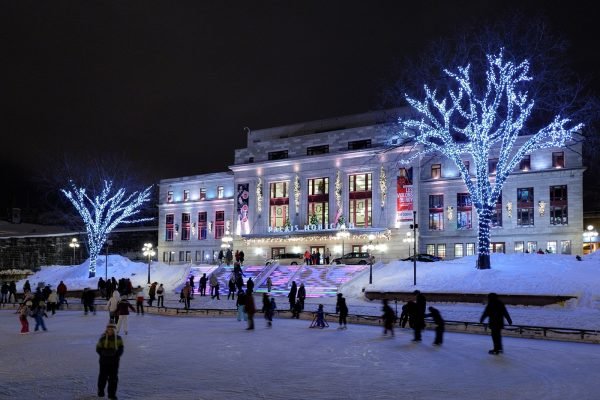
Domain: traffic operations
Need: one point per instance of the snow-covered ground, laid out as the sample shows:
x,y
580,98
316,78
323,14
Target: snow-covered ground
x,y
169,357
548,274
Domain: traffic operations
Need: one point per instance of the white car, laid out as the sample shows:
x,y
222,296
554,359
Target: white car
x,y
286,259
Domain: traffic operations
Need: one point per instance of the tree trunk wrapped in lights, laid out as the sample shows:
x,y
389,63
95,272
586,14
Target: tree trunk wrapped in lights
x,y
477,118
104,212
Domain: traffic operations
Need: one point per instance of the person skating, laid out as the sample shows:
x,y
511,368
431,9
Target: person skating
x,y
231,285
292,295
421,307
152,293
4,293
87,299
214,287
160,293
24,311
320,317
342,309
111,306
192,285
269,284
297,309
389,317
52,302
110,349
61,290
203,281
439,325
241,306
39,312
249,286
250,310
123,310
267,309
139,300
301,296
496,311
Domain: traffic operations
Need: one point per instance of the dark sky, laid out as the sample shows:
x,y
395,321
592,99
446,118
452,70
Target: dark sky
x,y
172,84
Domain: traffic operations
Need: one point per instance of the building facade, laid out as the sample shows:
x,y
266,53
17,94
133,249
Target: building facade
x,y
340,185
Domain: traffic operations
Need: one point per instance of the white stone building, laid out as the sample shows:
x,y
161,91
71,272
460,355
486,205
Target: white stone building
x,y
292,187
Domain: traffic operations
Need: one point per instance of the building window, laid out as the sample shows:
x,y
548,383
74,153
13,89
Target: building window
x,y
525,164
436,212
519,247
359,144
316,150
466,164
219,224
459,250
220,192
558,159
186,195
202,231
202,194
169,227
525,207
496,221
361,202
436,171
166,255
464,211
558,205
441,250
318,201
565,247
470,249
199,256
278,155
181,256
169,197
551,247
278,204
492,165
497,247
185,226
531,247
430,249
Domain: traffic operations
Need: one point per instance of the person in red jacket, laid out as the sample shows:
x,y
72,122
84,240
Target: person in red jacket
x,y
61,290
123,308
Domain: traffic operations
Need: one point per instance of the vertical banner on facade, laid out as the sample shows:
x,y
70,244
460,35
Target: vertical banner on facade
x,y
243,225
404,199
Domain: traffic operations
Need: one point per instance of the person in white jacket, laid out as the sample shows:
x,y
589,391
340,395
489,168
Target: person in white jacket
x,y
112,306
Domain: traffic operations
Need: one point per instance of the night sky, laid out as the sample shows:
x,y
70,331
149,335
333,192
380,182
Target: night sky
x,y
172,84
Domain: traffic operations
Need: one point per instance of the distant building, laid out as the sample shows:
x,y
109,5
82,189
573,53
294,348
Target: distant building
x,y
296,187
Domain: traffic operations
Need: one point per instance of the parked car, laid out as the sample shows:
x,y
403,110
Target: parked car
x,y
423,258
352,258
286,259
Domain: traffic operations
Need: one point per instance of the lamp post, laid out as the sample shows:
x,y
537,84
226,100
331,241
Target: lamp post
x,y
148,252
74,245
414,227
589,236
371,247
343,234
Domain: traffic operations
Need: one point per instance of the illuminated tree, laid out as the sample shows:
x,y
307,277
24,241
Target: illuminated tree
x,y
477,118
103,212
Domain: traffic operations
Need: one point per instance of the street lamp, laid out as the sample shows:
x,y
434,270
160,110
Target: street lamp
x,y
148,252
74,245
343,234
590,236
226,240
371,247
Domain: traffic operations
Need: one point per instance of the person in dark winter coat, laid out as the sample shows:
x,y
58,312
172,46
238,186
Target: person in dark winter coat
x,y
123,308
61,290
301,296
87,298
297,309
409,311
342,309
434,313
268,309
152,293
228,256
27,286
292,295
231,285
496,312
192,285
203,281
12,291
38,314
241,306
320,317
421,308
389,317
109,348
250,310
242,255
4,293
102,287
220,257
249,286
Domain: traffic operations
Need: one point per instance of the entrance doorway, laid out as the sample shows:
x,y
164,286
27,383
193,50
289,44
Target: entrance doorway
x,y
497,247
320,250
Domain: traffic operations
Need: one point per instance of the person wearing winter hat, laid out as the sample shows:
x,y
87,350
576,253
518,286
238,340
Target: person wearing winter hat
x,y
110,349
